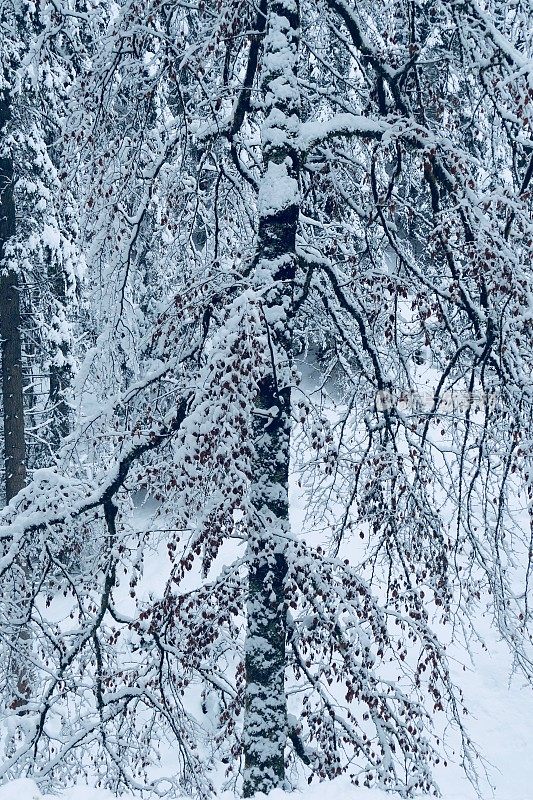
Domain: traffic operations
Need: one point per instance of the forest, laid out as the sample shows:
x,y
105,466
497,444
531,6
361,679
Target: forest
x,y
266,321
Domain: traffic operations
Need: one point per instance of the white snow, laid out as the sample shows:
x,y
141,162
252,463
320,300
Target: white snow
x,y
316,132
278,190
51,237
26,789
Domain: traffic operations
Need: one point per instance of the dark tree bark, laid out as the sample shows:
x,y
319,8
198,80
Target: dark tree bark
x,y
12,383
60,374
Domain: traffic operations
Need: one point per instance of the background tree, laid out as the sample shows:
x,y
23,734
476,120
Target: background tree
x,y
10,322
38,248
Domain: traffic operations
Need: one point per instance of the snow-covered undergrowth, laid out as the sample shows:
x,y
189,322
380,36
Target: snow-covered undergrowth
x,y
501,715
338,789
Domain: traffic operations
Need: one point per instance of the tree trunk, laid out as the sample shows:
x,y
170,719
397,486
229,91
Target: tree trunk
x,y
60,373
12,394
265,722
12,385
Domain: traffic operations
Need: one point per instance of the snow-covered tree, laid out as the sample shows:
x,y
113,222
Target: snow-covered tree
x,y
307,228
41,245
39,264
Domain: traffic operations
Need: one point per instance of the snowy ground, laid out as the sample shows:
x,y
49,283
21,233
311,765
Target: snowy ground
x,y
339,789
501,723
